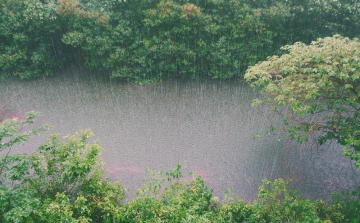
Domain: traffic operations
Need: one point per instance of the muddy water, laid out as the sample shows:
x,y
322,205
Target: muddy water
x,y
206,125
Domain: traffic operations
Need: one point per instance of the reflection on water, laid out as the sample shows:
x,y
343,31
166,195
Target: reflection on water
x,y
207,125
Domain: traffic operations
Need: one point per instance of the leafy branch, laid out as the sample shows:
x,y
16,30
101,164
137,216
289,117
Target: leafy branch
x,y
317,87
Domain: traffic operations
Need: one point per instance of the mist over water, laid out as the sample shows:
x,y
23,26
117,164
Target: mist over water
x,y
207,125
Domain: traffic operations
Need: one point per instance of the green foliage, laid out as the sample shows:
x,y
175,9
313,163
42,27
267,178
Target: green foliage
x,y
180,201
148,41
11,134
346,207
277,204
319,84
28,32
61,182
31,35
191,201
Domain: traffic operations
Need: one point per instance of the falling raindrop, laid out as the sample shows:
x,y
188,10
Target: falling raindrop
x,y
209,124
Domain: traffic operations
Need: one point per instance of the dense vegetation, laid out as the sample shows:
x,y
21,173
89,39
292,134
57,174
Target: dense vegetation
x,y
151,40
314,87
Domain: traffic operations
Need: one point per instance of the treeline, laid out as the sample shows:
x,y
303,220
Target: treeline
x,y
146,41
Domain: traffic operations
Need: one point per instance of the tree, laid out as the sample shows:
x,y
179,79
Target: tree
x,y
11,134
61,182
316,88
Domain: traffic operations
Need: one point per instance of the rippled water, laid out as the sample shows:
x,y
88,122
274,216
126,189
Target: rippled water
x,y
208,125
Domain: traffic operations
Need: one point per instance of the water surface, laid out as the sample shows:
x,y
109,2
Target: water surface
x,y
207,125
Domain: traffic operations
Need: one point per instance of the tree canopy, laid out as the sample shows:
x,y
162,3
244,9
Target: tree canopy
x,y
316,88
149,41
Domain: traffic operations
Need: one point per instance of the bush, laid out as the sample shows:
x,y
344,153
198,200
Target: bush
x,y
61,182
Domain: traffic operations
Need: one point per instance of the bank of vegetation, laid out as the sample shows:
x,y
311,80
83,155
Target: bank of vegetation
x,y
313,85
149,41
